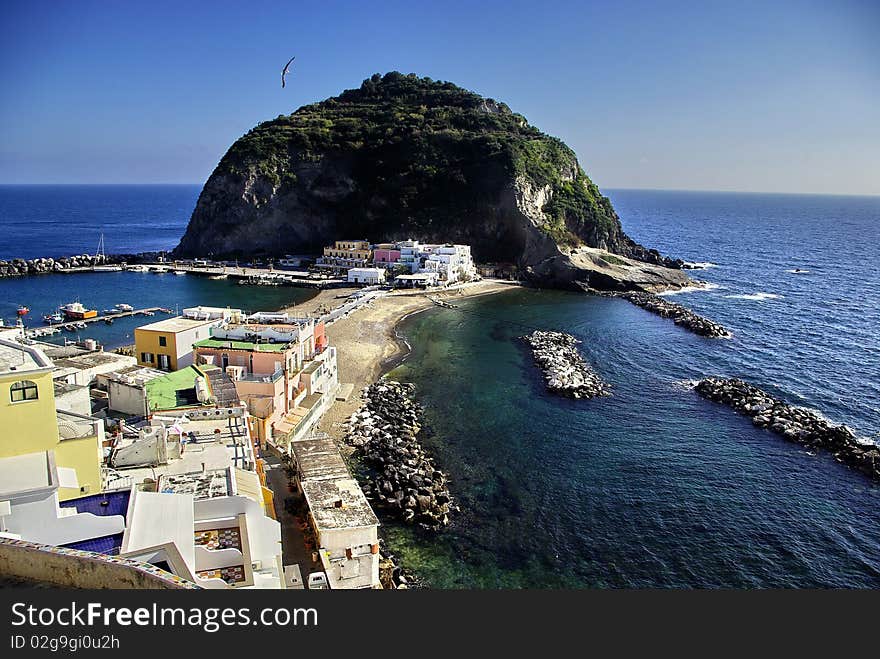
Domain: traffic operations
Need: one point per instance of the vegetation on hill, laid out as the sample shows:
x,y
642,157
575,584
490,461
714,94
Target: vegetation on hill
x,y
421,154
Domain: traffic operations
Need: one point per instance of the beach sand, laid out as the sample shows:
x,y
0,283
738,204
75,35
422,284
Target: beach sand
x,y
366,342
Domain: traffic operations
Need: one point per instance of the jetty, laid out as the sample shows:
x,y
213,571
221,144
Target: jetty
x,y
795,424
677,313
405,481
54,328
566,372
442,303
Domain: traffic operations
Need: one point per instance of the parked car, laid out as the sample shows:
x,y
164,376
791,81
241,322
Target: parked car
x,y
318,581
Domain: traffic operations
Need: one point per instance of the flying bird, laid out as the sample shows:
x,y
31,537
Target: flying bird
x,y
286,70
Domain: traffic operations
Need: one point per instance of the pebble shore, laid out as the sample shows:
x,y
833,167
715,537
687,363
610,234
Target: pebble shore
x,y
794,423
407,483
565,370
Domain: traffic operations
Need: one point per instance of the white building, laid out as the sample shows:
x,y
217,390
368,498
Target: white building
x,y
369,276
29,504
451,263
347,532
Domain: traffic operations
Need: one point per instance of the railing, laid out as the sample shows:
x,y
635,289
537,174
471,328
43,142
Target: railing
x,y
77,426
250,377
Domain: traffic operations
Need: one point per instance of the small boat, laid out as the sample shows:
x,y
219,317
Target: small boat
x,y
219,277
80,325
70,327
124,307
179,272
108,321
52,318
149,313
22,310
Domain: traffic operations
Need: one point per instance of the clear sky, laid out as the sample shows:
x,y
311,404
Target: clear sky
x,y
759,96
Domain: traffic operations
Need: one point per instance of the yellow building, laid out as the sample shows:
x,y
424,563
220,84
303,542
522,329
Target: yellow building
x,y
29,422
168,344
345,254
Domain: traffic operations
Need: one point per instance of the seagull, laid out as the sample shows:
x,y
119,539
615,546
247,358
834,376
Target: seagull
x,y
286,70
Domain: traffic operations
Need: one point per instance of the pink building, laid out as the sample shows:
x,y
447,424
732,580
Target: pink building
x,y
271,364
385,256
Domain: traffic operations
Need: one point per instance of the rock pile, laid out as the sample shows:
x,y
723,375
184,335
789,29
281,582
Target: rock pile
x,y
679,314
565,370
794,423
406,483
20,267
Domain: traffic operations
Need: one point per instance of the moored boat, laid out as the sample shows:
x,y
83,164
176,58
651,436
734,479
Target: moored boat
x,y
124,307
77,311
22,310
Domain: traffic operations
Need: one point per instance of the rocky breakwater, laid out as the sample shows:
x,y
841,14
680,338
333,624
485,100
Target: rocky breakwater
x,y
680,315
38,266
794,423
565,370
405,481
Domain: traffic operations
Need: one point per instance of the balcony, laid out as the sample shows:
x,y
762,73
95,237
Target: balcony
x,y
268,379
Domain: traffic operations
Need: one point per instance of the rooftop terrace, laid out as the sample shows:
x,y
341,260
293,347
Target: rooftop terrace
x,y
17,357
176,324
338,504
175,389
319,458
228,344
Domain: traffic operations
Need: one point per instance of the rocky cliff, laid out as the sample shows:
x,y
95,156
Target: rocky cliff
x,y
408,157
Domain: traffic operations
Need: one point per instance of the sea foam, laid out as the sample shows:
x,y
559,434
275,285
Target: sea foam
x,y
759,296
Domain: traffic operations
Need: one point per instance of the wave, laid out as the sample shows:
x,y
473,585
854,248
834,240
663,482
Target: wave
x,y
759,296
699,265
690,289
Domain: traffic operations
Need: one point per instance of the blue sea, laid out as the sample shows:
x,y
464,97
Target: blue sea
x,y
652,487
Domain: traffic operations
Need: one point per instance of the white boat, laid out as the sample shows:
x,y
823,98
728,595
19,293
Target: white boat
x,y
123,307
137,268
219,277
179,272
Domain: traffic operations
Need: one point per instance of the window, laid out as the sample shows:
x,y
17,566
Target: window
x,y
147,357
163,341
23,390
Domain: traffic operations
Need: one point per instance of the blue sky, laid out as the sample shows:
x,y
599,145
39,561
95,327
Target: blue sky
x,y
755,96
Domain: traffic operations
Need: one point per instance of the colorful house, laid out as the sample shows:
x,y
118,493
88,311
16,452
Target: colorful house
x,y
30,422
167,344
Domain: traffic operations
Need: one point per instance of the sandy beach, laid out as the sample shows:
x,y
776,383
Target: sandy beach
x,y
366,340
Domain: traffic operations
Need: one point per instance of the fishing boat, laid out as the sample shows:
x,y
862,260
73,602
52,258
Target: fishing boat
x,y
124,307
77,311
22,310
52,318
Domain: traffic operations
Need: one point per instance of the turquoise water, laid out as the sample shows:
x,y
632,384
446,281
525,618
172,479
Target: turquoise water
x,y
654,486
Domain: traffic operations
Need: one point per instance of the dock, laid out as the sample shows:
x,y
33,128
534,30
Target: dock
x,y
249,275
55,328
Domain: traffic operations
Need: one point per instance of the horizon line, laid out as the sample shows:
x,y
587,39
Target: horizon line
x,y
610,187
